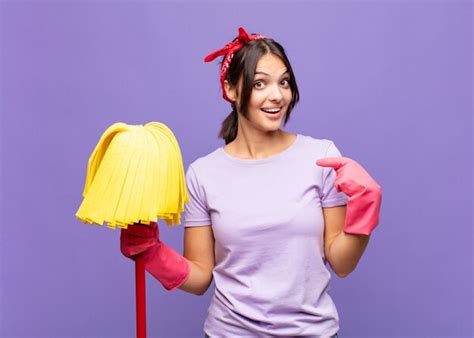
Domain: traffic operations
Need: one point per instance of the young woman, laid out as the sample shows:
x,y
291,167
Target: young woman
x,y
268,211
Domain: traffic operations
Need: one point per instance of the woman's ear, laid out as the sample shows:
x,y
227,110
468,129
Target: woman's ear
x,y
230,90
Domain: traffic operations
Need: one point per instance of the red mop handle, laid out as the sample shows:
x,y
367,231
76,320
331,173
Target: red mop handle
x,y
140,296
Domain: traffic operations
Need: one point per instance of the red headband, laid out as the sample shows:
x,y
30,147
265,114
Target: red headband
x,y
229,50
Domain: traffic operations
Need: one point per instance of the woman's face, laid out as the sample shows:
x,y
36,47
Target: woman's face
x,y
271,94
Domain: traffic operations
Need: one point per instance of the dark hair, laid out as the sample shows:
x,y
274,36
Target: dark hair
x,y
244,63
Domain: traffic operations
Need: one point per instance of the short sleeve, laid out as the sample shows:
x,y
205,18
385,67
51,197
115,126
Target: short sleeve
x,y
196,212
330,196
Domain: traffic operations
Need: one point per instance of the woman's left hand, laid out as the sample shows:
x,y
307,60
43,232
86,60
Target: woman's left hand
x,y
365,195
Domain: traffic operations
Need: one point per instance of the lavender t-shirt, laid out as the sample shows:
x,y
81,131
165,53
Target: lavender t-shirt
x,y
270,271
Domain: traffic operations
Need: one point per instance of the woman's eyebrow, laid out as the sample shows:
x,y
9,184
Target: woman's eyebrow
x,y
269,74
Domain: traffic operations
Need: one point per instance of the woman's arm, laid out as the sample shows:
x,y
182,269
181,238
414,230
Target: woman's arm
x,y
343,251
199,251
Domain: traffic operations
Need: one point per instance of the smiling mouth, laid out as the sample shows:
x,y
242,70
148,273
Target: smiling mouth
x,y
271,110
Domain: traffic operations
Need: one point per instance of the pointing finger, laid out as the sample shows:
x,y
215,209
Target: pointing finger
x,y
334,162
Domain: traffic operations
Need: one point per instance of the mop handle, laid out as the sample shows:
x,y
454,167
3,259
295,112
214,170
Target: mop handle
x,y
140,296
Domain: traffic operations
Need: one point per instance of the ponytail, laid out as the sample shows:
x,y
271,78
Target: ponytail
x,y
229,127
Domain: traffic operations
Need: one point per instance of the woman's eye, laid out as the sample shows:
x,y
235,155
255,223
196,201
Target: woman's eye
x,y
259,84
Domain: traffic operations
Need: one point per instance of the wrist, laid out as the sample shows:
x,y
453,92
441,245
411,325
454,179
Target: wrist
x,y
362,213
167,266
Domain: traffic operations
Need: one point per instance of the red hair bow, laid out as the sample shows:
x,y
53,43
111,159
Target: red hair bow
x,y
229,50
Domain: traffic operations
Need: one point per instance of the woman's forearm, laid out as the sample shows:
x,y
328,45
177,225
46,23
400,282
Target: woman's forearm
x,y
345,252
198,280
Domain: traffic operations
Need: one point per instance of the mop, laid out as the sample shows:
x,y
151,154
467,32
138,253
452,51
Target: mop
x,y
134,176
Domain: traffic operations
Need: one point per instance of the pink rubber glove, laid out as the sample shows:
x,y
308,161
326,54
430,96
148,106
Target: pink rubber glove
x,y
161,261
365,195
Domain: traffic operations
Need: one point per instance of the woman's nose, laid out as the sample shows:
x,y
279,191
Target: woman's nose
x,y
275,94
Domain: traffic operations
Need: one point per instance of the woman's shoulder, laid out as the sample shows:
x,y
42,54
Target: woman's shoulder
x,y
316,143
204,162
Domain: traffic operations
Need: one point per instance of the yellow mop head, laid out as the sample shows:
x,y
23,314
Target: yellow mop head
x,y
135,174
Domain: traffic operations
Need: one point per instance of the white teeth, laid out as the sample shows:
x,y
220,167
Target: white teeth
x,y
275,110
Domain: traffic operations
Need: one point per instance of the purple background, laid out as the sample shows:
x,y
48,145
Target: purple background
x,y
389,82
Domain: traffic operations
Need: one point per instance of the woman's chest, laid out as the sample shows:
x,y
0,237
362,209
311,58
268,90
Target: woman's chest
x,y
265,206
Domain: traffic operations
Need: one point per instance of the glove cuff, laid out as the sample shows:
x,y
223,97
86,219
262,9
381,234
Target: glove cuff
x,y
167,266
362,213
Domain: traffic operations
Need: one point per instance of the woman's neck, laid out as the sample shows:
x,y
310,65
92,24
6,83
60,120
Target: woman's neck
x,y
259,146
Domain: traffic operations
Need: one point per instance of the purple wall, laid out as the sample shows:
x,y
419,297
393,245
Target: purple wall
x,y
390,83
